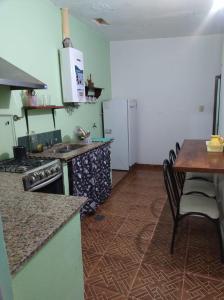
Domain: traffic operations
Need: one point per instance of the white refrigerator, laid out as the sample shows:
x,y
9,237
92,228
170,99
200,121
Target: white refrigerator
x,y
119,119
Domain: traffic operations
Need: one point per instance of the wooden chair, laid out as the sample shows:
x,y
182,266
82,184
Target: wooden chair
x,y
188,205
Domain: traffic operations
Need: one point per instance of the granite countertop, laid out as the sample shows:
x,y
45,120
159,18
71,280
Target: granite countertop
x,y
31,219
52,152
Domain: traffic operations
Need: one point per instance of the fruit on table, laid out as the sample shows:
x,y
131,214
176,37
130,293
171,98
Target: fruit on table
x,y
216,140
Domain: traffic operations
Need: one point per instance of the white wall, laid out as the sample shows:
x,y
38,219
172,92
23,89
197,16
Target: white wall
x,y
221,112
170,78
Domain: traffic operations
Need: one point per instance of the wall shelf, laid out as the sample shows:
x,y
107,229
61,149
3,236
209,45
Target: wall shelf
x,y
41,107
93,92
47,107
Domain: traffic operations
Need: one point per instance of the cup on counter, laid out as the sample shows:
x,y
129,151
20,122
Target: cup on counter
x,y
30,98
45,100
39,100
48,100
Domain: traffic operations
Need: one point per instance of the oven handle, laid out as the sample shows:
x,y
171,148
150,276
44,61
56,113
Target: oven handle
x,y
43,184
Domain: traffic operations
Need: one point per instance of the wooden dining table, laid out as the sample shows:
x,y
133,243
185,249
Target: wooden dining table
x,y
193,157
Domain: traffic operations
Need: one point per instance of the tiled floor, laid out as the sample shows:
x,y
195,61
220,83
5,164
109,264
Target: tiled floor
x,y
126,255
117,176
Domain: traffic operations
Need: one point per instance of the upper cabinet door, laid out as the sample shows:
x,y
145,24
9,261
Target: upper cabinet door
x,y
7,137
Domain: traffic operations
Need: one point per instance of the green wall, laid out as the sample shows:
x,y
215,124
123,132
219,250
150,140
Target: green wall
x,y
30,36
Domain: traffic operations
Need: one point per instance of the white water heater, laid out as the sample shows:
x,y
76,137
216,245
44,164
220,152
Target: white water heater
x,y
72,67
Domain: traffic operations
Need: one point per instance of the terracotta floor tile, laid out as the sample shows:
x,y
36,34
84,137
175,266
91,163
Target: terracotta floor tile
x,y
199,288
100,293
138,228
166,216
114,207
135,198
90,260
110,223
197,261
125,198
216,267
203,262
163,235
117,176
162,259
96,240
154,283
144,211
147,183
131,247
113,275
157,206
140,190
127,254
202,233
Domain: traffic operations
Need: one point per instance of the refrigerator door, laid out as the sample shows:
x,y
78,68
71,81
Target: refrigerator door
x,y
132,142
116,127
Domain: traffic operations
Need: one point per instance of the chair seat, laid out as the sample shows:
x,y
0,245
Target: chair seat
x,y
200,186
198,175
199,204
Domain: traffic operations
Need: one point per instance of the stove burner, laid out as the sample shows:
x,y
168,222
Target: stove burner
x,y
22,169
21,166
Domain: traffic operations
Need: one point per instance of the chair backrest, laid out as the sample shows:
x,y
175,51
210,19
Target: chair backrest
x,y
177,148
172,156
171,188
179,176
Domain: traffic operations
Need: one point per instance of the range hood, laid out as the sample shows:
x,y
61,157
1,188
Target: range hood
x,y
17,79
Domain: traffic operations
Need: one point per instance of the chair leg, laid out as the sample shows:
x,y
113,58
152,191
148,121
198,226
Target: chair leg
x,y
173,235
220,241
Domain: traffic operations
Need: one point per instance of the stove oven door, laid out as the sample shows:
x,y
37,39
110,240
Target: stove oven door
x,y
51,186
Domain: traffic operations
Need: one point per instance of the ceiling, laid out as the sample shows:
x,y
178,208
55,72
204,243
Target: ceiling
x,y
141,19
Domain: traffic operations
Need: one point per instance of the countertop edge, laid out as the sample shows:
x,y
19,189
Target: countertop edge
x,y
71,155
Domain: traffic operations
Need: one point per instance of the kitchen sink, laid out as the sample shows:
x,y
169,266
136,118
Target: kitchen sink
x,y
69,148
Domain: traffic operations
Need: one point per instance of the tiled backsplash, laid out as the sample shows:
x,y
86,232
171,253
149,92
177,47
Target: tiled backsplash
x,y
45,138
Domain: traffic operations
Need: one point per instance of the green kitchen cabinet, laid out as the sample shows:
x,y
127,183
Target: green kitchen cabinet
x,y
5,279
55,272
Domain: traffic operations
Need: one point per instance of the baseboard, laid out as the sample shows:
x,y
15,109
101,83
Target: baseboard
x,y
148,167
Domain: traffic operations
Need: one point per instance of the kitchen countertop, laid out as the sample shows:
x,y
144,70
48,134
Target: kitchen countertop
x,y
30,219
51,153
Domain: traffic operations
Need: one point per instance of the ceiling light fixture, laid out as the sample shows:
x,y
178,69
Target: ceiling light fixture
x,y
217,5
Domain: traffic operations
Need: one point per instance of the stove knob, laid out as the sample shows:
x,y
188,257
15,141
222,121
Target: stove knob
x,y
57,168
36,175
32,179
52,170
48,172
42,175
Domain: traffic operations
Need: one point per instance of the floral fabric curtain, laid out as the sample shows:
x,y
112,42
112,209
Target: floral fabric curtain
x,y
91,177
